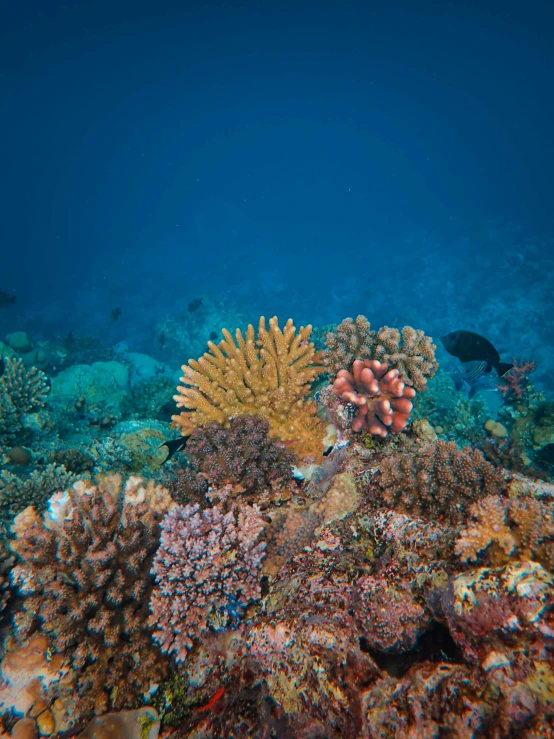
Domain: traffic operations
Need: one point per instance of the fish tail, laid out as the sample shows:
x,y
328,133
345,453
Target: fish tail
x,y
503,367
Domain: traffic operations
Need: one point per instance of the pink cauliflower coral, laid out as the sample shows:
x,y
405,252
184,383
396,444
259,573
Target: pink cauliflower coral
x,y
382,399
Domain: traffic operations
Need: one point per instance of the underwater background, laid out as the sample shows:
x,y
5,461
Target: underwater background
x,y
381,174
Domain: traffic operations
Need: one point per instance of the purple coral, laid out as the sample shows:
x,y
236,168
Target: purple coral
x,y
242,454
208,568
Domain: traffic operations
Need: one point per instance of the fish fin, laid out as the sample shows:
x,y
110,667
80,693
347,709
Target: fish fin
x,y
472,391
174,446
488,368
503,367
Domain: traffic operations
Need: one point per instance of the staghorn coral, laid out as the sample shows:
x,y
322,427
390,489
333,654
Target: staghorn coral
x,y
502,528
437,480
207,569
84,573
380,396
242,455
408,350
268,376
16,493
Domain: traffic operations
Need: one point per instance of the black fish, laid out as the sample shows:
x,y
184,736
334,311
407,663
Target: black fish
x,y
213,336
2,366
194,304
6,299
115,313
469,347
174,446
545,454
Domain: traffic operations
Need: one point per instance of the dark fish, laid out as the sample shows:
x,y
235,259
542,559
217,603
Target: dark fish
x,y
70,338
468,346
545,454
162,339
473,378
115,313
213,336
6,299
2,366
194,304
174,446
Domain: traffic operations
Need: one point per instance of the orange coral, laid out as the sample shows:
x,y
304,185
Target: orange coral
x,y
267,376
502,527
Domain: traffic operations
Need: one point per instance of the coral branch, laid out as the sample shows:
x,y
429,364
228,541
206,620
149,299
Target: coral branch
x,y
268,376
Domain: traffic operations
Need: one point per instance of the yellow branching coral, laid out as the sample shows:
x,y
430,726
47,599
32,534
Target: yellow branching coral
x,y
267,376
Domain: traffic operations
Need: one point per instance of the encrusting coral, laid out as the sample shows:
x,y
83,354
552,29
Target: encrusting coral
x,y
380,396
507,527
242,455
208,569
437,480
268,376
408,350
83,571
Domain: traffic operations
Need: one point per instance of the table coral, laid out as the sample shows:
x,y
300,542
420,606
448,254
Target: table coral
x,y
207,569
437,480
408,350
268,376
380,396
83,571
242,454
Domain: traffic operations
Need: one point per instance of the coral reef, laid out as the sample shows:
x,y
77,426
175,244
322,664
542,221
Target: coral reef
x,y
408,350
17,492
207,569
504,527
268,376
22,390
83,571
438,480
242,455
380,396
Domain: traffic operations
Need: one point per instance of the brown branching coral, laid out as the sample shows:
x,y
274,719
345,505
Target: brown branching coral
x,y
408,350
26,388
21,391
353,339
438,480
502,528
84,573
268,376
243,455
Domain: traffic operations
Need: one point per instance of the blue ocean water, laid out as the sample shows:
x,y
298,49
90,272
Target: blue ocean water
x,y
172,168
